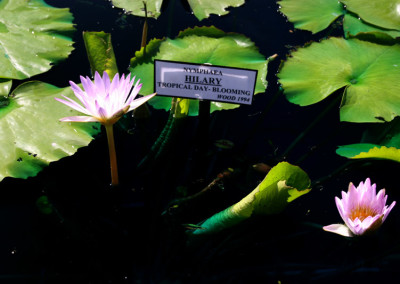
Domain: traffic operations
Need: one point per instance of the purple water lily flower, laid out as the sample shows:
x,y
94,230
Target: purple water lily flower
x,y
362,210
105,102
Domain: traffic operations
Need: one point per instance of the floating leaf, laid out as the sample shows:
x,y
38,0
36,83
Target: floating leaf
x,y
283,184
385,14
136,7
368,72
199,45
365,16
203,8
362,151
380,141
33,36
353,26
311,15
31,135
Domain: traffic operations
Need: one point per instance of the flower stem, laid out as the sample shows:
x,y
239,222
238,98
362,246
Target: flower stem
x,y
113,155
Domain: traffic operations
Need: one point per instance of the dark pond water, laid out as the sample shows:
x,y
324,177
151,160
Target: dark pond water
x,y
130,234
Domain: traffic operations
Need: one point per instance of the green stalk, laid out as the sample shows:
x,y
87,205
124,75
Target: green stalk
x,y
311,126
113,155
145,27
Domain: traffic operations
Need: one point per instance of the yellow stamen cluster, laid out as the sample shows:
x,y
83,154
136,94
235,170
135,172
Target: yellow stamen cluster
x,y
361,212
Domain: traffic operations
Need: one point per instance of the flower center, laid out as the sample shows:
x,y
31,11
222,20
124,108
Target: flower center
x,y
361,212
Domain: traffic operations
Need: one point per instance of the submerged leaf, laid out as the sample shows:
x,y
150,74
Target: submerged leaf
x,y
44,205
33,36
199,45
31,135
369,73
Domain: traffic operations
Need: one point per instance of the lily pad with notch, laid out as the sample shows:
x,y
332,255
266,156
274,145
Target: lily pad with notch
x,y
367,73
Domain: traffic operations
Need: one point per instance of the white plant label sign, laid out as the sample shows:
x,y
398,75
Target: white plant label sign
x,y
204,82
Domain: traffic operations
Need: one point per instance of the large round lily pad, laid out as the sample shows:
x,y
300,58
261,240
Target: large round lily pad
x,y
33,36
369,74
31,135
199,45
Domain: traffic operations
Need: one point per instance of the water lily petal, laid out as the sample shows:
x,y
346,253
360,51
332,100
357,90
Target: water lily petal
x,y
80,119
140,101
386,211
72,104
339,229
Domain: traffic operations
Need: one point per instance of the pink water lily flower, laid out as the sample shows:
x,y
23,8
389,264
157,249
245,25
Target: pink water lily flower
x,y
362,210
104,101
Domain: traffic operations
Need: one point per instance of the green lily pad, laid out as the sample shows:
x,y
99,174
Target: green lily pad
x,y
371,151
201,8
385,14
380,141
33,36
364,16
368,72
283,184
199,45
354,26
31,135
137,7
311,15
